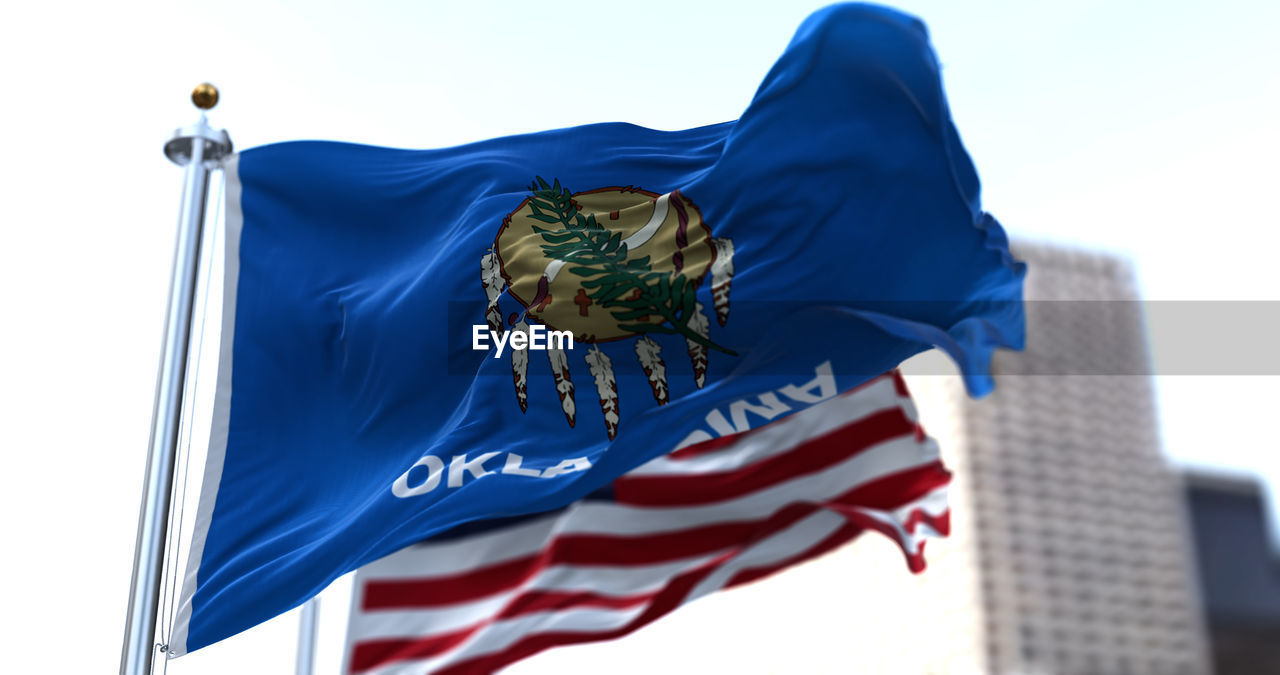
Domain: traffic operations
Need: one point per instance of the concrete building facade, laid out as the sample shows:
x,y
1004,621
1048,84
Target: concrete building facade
x,y
1070,550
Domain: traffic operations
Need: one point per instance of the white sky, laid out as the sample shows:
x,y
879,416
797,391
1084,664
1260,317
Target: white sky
x,y
1139,127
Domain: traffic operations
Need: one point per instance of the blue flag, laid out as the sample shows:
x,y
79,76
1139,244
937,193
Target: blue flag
x,y
413,340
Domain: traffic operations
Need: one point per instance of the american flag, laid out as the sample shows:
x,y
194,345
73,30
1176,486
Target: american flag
x,y
709,516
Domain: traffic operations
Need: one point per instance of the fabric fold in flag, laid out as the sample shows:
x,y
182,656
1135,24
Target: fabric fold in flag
x,y
479,598
381,379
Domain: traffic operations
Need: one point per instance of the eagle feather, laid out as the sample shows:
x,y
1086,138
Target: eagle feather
x,y
700,324
494,284
520,368
606,387
564,385
722,278
650,355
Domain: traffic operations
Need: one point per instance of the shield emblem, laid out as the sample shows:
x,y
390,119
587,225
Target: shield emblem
x,y
608,264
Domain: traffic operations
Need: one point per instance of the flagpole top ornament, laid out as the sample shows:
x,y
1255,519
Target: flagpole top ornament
x,y
213,144
204,96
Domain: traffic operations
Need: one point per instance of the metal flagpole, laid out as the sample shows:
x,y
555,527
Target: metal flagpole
x,y
308,624
198,148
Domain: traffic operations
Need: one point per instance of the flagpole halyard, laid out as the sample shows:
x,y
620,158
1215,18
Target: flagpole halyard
x,y
198,148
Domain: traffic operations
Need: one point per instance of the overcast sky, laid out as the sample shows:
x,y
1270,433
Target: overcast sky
x,y
1142,128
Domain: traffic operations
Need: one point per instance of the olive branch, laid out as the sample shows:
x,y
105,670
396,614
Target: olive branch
x,y
628,287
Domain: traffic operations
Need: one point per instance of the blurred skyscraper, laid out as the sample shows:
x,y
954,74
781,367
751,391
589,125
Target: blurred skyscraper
x,y
1070,550
1239,573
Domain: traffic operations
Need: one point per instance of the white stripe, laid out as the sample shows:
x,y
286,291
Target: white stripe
x,y
908,406
610,519
780,437
424,562
638,238
497,637
503,634
419,623
447,558
934,504
621,581
221,405
616,581
467,552
798,538
873,463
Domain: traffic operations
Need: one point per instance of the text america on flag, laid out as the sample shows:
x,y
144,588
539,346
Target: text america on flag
x,y
681,526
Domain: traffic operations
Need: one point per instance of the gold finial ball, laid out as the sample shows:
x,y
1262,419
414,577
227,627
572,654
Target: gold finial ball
x,y
205,96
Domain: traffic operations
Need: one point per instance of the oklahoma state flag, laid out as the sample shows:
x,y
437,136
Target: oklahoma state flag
x,y
416,339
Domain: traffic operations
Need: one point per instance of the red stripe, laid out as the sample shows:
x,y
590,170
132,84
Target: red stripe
x,y
645,549
907,486
373,653
812,456
666,601
370,654
833,541
582,550
884,493
663,604
533,602
900,384
402,593
670,598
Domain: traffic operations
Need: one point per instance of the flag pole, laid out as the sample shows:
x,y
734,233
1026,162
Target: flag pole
x,y
198,148
308,625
